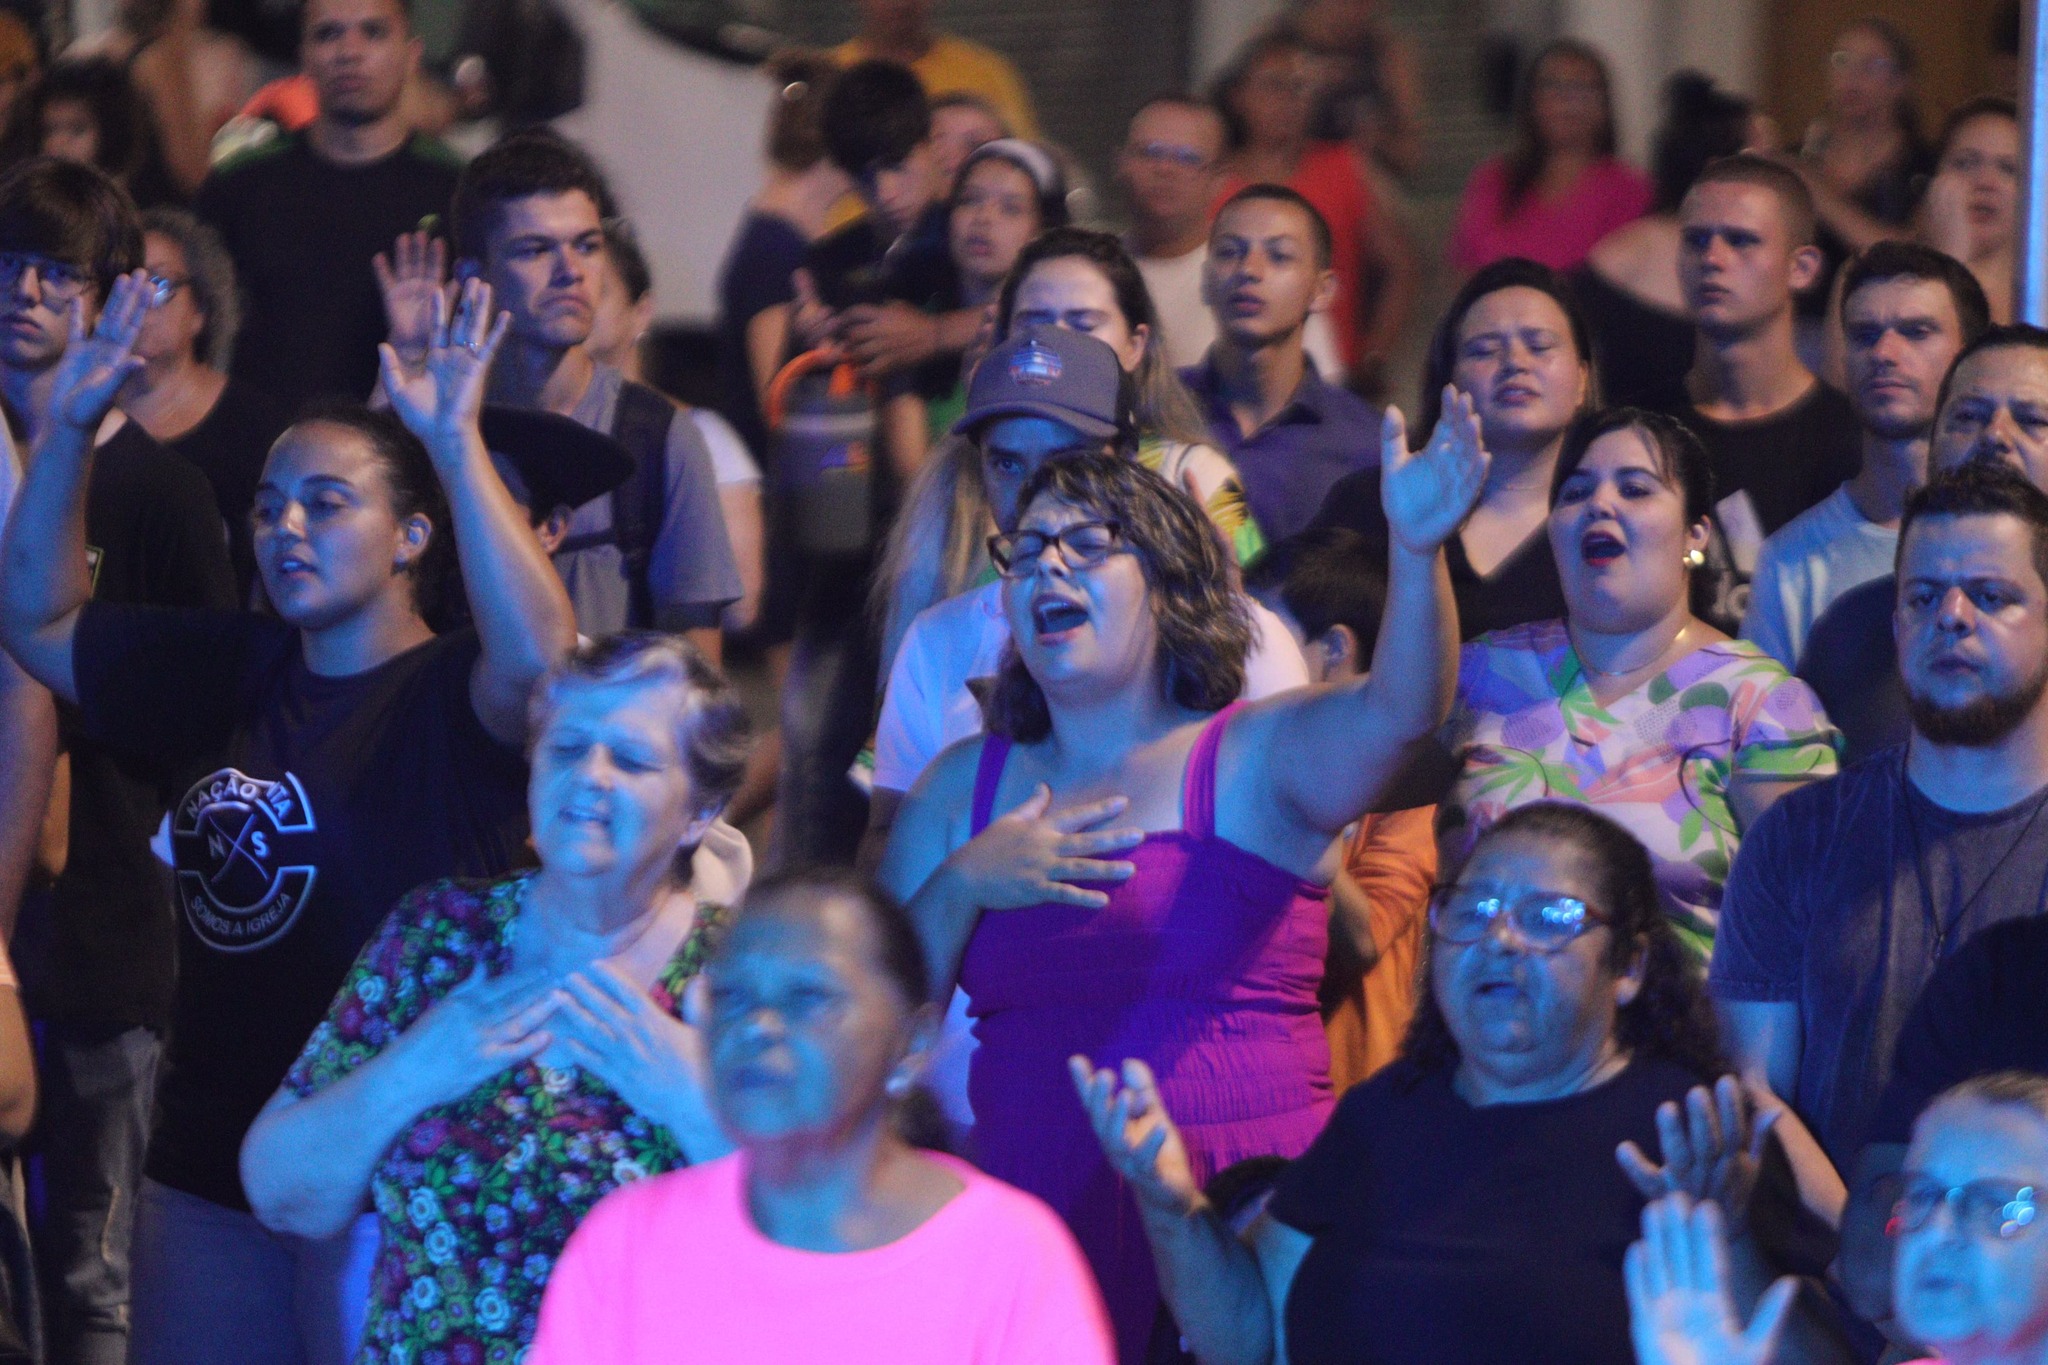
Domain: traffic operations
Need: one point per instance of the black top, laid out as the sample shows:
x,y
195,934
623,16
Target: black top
x,y
1980,1012
302,231
1851,662
1786,462
1642,353
759,274
106,955
1456,1235
1845,897
861,264
1522,588
307,807
229,446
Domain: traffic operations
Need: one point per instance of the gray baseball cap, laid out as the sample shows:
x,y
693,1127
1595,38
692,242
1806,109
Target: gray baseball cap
x,y
1047,372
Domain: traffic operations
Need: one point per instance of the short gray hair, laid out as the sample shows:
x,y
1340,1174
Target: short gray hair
x,y
212,281
713,733
2001,1089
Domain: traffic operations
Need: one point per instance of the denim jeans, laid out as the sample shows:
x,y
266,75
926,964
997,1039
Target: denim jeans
x,y
95,1095
215,1287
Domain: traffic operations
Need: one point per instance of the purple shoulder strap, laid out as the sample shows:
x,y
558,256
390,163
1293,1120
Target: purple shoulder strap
x,y
995,752
1198,787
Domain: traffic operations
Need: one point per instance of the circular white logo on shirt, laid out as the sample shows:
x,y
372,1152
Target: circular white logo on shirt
x,y
229,839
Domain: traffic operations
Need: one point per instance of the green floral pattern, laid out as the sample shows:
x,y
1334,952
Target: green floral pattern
x,y
1659,761
477,1199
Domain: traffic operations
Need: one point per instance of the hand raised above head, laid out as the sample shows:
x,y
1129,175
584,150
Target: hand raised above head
x,y
410,279
97,362
440,402
1428,493
1680,1308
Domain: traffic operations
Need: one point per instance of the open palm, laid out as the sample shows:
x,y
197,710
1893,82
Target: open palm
x,y
96,363
1137,1134
439,402
1428,493
411,278
1680,1312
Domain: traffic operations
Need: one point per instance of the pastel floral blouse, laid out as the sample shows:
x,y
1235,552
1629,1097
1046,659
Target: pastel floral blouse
x,y
477,1199
1659,761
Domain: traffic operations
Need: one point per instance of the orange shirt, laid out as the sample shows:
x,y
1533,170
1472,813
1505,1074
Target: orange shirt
x,y
1392,858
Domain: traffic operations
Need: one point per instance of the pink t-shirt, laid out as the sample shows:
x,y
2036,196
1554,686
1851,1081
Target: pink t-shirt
x,y
1557,233
672,1270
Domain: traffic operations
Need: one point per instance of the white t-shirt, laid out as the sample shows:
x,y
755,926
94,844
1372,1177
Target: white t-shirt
x,y
927,705
1809,562
730,461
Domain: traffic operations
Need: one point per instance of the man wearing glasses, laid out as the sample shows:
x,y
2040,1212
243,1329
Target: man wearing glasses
x,y
1171,167
96,946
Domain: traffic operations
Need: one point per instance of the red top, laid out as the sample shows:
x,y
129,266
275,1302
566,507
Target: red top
x,y
1556,232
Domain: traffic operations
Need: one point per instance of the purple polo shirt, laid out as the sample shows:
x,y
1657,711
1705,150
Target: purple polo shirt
x,y
1288,464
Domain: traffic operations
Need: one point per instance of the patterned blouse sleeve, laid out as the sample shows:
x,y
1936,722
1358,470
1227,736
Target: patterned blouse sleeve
x,y
404,968
1781,730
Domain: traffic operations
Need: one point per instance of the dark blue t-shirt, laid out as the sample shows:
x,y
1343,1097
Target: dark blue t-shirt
x,y
1448,1234
759,274
1290,464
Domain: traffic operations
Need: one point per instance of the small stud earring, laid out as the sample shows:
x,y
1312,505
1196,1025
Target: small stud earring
x,y
1695,559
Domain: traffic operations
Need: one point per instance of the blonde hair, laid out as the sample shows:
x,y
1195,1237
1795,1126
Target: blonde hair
x,y
938,546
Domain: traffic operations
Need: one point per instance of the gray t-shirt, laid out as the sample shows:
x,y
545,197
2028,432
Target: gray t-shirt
x,y
692,573
1844,897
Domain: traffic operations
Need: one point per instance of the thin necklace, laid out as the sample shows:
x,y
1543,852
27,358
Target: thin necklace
x,y
1626,672
1941,926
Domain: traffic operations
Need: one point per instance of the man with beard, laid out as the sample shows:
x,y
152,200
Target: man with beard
x,y
1907,310
1848,893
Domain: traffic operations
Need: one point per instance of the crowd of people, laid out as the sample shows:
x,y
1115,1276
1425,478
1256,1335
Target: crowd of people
x,y
1247,877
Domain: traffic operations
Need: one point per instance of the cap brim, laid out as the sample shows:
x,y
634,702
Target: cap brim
x,y
1023,407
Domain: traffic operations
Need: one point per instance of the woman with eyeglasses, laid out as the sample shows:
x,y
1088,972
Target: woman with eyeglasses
x,y
1124,864
182,394
1865,158
1970,1259
1632,703
1471,1203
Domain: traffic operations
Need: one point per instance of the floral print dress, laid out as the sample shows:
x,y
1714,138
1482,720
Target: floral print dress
x,y
1659,761
476,1200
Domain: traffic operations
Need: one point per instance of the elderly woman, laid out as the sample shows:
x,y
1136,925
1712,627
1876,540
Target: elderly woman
x,y
1465,1204
825,1235
1126,862
1632,703
1970,1263
182,394
505,1053
1514,340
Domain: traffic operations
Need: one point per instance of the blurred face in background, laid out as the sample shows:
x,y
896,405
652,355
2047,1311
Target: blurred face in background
x,y
1171,164
1276,97
359,55
1568,102
70,132
958,129
1865,84
171,328
1985,154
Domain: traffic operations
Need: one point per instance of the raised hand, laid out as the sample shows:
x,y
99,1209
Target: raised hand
x,y
96,364
411,278
616,1032
1137,1134
1034,854
1712,1151
1679,1309
475,1031
440,401
1428,493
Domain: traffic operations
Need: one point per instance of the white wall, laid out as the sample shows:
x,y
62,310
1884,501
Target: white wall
x,y
680,136
1646,40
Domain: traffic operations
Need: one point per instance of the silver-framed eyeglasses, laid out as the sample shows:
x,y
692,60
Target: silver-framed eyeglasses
x,y
1543,921
59,279
1987,1209
1082,545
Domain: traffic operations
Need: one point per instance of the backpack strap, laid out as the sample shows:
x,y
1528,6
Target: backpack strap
x,y
641,425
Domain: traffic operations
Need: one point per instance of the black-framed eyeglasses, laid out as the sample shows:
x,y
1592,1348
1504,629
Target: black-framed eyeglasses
x,y
1082,545
1542,921
60,279
1986,1209
164,288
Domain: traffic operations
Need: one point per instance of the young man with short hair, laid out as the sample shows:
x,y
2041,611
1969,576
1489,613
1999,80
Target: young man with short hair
x,y
1993,405
304,214
1906,311
97,953
1290,433
528,218
1780,440
1171,168
1848,892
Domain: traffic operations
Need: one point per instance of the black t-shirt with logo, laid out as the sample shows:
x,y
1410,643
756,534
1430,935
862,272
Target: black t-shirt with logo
x,y
305,808
104,955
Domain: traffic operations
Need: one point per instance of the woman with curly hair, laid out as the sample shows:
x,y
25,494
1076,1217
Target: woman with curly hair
x,y
1125,864
1465,1205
